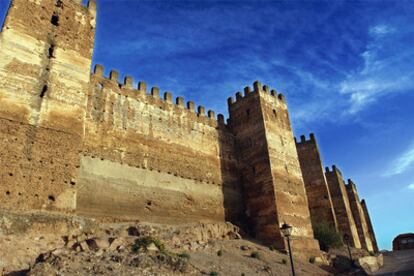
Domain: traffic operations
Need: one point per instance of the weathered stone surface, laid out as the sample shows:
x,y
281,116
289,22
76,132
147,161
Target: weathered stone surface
x,y
370,264
319,198
340,200
370,227
359,216
82,143
45,59
273,184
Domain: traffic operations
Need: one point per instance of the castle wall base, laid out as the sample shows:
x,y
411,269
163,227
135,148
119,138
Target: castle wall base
x,y
113,190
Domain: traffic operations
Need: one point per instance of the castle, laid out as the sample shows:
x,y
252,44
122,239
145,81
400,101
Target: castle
x,y
83,143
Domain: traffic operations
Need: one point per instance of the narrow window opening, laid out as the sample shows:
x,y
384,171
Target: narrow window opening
x,y
55,20
274,113
248,112
42,94
51,51
51,198
59,4
7,193
254,170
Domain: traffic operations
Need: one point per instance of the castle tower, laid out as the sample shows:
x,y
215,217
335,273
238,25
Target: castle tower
x,y
370,228
342,208
273,185
45,57
359,216
319,197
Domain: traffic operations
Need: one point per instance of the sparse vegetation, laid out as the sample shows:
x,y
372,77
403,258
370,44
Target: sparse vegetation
x,y
145,242
213,273
312,260
220,253
255,255
272,248
184,255
327,236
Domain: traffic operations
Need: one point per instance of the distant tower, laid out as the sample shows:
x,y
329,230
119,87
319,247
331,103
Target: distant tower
x,y
370,227
319,197
359,216
344,217
46,50
274,189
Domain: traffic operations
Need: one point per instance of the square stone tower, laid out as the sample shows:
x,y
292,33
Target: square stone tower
x,y
359,216
270,170
319,197
45,57
343,213
370,228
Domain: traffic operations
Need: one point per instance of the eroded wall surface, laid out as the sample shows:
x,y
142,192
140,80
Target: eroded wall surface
x,y
45,59
274,189
370,227
170,162
342,208
319,197
359,216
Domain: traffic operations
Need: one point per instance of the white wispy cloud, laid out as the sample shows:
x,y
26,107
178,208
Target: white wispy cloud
x,y
385,71
402,163
381,29
411,186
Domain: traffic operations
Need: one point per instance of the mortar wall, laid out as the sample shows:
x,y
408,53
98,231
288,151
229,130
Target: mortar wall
x,y
44,71
191,155
359,217
342,208
370,227
273,184
319,197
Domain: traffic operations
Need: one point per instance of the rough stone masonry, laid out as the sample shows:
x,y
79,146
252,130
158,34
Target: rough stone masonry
x,y
86,144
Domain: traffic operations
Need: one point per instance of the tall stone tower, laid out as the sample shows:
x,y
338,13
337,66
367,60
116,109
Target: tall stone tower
x,y
345,219
359,216
319,197
45,58
370,227
274,189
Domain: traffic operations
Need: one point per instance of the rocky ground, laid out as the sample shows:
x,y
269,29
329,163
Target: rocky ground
x,y
53,244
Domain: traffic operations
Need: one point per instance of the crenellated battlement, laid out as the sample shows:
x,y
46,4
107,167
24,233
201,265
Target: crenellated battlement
x,y
258,88
333,170
127,89
303,139
351,186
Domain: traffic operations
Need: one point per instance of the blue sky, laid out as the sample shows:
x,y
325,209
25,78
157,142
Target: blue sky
x,y
346,69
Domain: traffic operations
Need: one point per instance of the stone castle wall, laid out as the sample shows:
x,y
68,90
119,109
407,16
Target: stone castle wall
x,y
45,59
340,200
85,143
319,196
158,159
273,185
370,227
359,216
